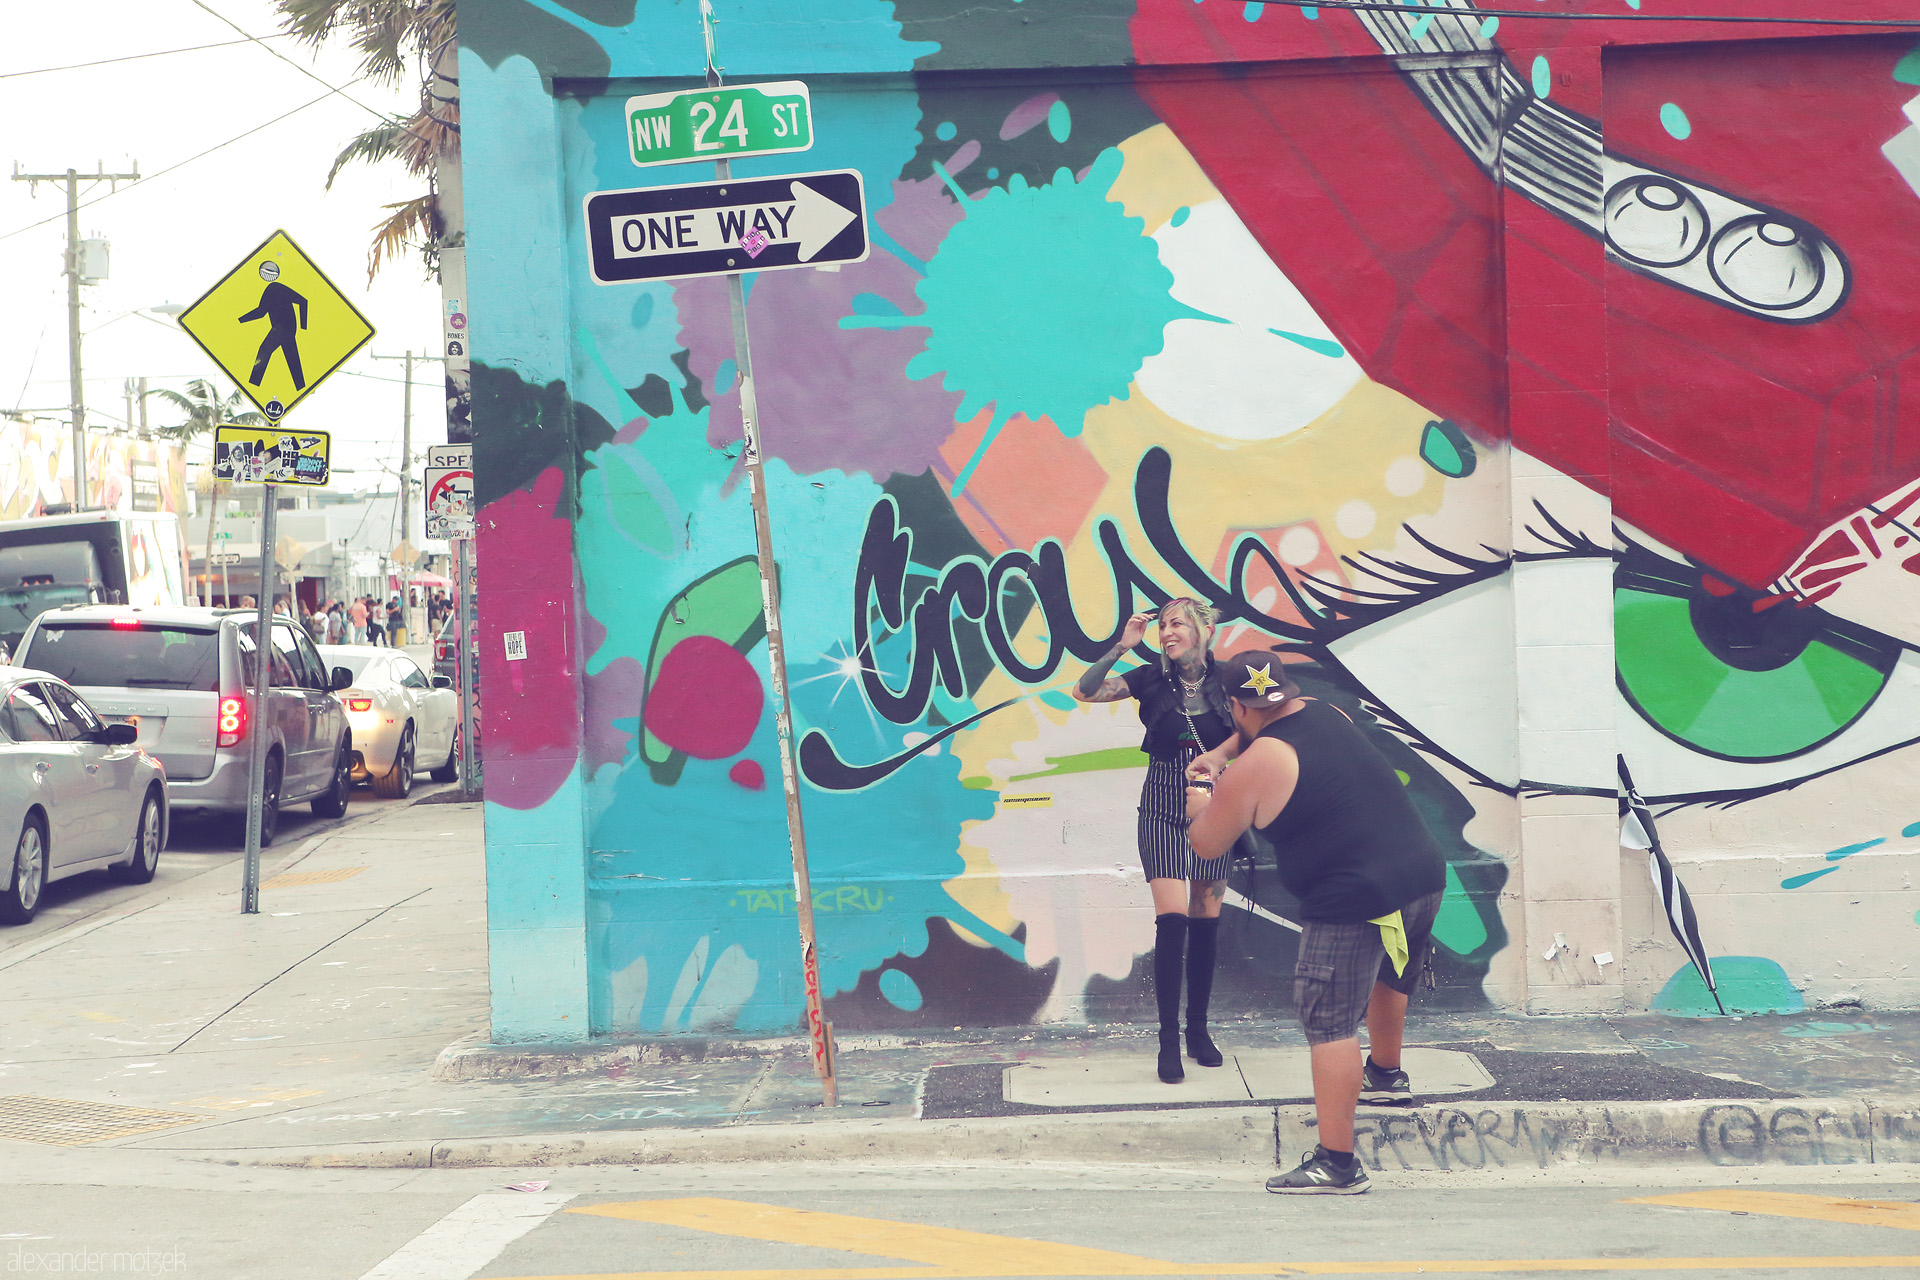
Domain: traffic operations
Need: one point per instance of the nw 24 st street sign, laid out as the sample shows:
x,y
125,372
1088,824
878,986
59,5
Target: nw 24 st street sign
x,y
720,124
719,228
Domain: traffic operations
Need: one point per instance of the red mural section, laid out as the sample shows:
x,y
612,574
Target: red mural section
x,y
533,737
1705,311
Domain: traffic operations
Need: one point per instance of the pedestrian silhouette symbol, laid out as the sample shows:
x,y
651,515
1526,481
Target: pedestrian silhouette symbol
x,y
278,304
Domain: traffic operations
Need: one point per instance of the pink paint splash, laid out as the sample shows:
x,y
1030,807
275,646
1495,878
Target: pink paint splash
x,y
705,700
533,736
749,774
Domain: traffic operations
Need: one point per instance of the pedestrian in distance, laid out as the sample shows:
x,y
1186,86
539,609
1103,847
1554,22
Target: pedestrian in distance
x,y
357,618
1369,876
1185,712
396,624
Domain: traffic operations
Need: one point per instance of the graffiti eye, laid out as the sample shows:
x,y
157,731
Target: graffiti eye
x,y
1654,222
1767,262
1764,686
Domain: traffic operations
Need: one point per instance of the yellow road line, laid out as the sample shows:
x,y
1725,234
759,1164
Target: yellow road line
x,y
953,1251
947,1253
1521,1266
1785,1204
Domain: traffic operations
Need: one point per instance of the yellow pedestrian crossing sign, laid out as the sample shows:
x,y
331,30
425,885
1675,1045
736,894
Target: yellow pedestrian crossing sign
x,y
277,325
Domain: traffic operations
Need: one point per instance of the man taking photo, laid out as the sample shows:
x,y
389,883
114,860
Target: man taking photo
x,y
1352,848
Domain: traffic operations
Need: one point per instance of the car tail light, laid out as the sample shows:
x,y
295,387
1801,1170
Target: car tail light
x,y
359,704
124,624
232,720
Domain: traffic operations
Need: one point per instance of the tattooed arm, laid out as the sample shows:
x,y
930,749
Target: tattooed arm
x,y
1097,685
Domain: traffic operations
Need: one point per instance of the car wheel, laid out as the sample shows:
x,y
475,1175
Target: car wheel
x,y
270,806
146,844
332,803
22,897
450,771
397,782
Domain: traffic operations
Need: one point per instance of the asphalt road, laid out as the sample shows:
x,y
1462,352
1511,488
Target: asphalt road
x,y
196,846
86,1209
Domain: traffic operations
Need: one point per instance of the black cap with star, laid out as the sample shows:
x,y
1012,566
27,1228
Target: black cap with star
x,y
1256,677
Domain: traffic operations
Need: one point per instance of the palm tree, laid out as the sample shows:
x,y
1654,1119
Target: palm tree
x,y
205,410
391,36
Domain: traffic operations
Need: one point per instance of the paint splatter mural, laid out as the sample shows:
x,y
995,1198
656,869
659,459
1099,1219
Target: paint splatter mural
x,y
1538,410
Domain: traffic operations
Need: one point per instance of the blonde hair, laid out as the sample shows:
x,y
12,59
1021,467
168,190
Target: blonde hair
x,y
1202,613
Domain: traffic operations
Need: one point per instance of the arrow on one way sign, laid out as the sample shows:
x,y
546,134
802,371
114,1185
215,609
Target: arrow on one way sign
x,y
718,228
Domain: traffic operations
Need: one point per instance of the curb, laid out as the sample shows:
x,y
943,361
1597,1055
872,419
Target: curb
x,y
1461,1138
475,1057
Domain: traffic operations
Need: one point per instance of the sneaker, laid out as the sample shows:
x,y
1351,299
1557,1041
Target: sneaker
x,y
1384,1084
1319,1176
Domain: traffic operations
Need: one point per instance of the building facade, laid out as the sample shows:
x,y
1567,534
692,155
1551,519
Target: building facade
x,y
1535,385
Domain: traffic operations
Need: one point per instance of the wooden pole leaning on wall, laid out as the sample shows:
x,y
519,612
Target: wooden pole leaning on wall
x,y
819,1030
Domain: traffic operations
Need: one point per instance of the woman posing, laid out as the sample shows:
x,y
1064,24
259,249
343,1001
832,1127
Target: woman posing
x,y
1185,713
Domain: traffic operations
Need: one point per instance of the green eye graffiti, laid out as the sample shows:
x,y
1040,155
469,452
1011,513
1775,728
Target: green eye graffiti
x,y
1732,673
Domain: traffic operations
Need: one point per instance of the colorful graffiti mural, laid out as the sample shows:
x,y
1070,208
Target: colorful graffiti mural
x,y
1506,375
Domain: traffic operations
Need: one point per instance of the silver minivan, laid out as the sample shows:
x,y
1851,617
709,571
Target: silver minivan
x,y
183,678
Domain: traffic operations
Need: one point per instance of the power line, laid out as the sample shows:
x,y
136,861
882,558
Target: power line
x,y
307,72
133,57
88,204
1415,6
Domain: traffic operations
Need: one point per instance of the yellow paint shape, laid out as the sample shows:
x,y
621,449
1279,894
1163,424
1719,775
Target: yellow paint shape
x,y
261,1098
950,1251
946,1253
1785,1204
1159,178
293,879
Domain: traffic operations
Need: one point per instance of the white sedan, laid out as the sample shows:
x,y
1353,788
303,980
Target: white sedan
x,y
398,718
76,794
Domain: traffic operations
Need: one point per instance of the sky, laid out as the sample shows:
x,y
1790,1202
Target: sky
x,y
175,234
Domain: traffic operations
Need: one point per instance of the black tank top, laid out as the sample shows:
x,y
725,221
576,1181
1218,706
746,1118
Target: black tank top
x,y
1349,843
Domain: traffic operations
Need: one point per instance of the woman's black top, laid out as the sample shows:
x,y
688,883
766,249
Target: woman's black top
x,y
1349,843
1167,729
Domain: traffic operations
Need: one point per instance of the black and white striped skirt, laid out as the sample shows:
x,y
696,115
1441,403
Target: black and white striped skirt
x,y
1164,851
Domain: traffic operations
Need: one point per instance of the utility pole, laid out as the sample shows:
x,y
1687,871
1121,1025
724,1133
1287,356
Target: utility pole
x,y
78,402
406,477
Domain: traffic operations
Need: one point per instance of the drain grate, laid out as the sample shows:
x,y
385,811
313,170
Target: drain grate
x,y
64,1122
293,878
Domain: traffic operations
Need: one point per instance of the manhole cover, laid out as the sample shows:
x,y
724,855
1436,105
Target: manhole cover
x,y
66,1123
292,878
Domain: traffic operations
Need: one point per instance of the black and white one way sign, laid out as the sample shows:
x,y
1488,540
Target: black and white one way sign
x,y
718,228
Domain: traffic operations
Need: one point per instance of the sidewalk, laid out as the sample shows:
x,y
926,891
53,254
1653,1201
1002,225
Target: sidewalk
x,y
345,1025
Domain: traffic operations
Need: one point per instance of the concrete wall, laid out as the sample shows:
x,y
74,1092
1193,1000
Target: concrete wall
x,y
1535,386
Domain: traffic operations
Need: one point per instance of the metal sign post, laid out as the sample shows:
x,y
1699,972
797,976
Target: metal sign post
x,y
466,665
262,682
818,1028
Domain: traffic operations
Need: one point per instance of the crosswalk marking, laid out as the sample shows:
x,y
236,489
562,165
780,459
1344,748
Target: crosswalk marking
x,y
468,1238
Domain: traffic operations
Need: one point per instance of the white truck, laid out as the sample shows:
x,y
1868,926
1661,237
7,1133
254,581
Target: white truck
x,y
86,557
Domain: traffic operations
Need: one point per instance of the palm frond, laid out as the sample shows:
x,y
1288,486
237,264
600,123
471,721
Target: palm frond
x,y
415,221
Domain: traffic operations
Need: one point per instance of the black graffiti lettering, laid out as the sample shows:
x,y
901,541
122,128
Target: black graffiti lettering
x,y
1732,1134
1432,1135
1461,1137
1792,1133
1487,1125
975,593
1393,1139
1367,1143
1848,1130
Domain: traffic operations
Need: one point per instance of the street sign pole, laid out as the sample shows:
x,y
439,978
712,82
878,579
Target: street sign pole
x,y
263,677
819,1030
464,665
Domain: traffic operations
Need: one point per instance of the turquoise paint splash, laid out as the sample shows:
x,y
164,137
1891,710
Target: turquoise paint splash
x,y
1794,882
1319,346
1837,854
946,131
1445,448
1747,984
1488,26
1542,77
900,991
1913,830
1044,301
1675,121
1420,26
1059,120
1907,70
1253,10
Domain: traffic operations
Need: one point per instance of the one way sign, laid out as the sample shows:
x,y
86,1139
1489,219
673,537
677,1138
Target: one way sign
x,y
718,228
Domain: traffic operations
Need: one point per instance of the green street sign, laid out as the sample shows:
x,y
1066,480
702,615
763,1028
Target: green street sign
x,y
720,124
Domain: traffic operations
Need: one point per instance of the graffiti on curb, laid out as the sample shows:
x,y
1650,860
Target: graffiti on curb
x,y
1722,1134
